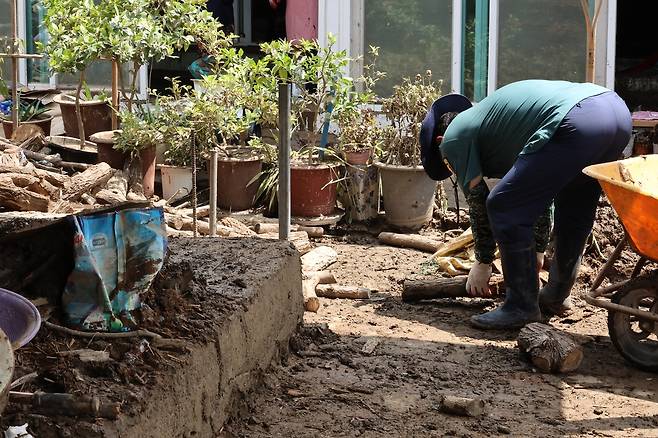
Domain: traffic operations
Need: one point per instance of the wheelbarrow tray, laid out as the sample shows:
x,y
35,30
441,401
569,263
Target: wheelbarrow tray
x,y
631,186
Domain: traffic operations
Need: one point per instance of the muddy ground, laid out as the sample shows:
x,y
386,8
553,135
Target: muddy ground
x,y
328,387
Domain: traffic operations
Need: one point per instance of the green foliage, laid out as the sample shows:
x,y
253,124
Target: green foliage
x,y
405,110
139,130
358,124
75,34
317,74
30,109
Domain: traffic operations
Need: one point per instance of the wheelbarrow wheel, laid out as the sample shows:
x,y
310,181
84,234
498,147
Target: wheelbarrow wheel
x,y
636,339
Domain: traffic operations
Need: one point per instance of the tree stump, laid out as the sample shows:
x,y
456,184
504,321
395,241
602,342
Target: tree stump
x,y
549,349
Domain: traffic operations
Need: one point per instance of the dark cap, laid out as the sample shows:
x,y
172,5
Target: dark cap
x,y
430,155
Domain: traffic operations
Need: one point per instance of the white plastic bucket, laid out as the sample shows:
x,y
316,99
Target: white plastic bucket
x,y
176,181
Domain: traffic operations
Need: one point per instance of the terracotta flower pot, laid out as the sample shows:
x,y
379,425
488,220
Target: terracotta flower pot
x,y
147,160
408,195
233,177
106,152
312,192
96,116
359,157
44,124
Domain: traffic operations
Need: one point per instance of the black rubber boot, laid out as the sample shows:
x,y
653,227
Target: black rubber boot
x,y
554,297
520,306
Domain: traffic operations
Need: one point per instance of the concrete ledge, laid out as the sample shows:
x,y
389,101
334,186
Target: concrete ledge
x,y
211,383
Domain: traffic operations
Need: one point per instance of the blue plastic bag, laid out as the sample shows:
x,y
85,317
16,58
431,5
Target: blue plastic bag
x,y
117,256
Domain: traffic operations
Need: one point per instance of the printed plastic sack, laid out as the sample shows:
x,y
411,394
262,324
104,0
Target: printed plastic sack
x,y
117,256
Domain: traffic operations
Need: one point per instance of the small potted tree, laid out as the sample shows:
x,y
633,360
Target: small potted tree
x,y
235,97
316,74
408,192
75,41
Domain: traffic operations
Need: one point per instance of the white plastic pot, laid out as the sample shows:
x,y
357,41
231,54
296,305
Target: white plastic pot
x,y
408,195
176,181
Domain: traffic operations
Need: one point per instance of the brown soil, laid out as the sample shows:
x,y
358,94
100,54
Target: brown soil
x,y
189,300
331,388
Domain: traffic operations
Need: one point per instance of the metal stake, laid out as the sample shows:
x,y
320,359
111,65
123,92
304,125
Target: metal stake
x,y
284,161
213,193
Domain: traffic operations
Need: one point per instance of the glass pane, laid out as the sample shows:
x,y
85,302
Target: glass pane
x,y
98,77
413,36
37,69
5,34
541,40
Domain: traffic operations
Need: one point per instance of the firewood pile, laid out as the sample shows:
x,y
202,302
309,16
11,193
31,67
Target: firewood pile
x,y
31,180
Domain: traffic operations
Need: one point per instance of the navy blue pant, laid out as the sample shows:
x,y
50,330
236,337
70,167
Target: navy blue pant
x,y
596,130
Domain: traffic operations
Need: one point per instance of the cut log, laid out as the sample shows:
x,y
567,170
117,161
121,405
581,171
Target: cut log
x,y
84,182
66,404
549,349
53,159
298,239
342,291
319,259
325,277
17,198
106,196
172,232
429,289
19,179
455,245
311,300
413,241
237,226
468,407
263,228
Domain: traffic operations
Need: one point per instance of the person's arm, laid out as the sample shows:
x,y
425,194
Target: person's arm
x,y
485,245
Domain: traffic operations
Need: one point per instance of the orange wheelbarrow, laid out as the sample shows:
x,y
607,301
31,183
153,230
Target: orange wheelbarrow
x,y
631,186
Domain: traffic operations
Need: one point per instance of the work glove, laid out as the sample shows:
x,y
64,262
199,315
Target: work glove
x,y
477,284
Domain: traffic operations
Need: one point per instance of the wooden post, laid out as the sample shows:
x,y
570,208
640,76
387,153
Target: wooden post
x,y
115,94
590,24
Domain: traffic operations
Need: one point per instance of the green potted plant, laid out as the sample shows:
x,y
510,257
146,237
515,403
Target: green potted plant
x,y
75,41
222,116
317,76
30,111
407,191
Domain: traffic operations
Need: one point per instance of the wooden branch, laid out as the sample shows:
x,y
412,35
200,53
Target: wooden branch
x,y
319,259
311,300
84,182
410,241
263,228
18,198
463,406
155,338
27,378
433,288
549,349
342,291
66,404
53,159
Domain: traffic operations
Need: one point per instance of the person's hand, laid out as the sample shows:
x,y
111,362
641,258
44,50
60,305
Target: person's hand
x,y
477,284
540,261
274,3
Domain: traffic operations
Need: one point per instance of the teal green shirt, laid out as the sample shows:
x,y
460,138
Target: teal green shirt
x,y
518,118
